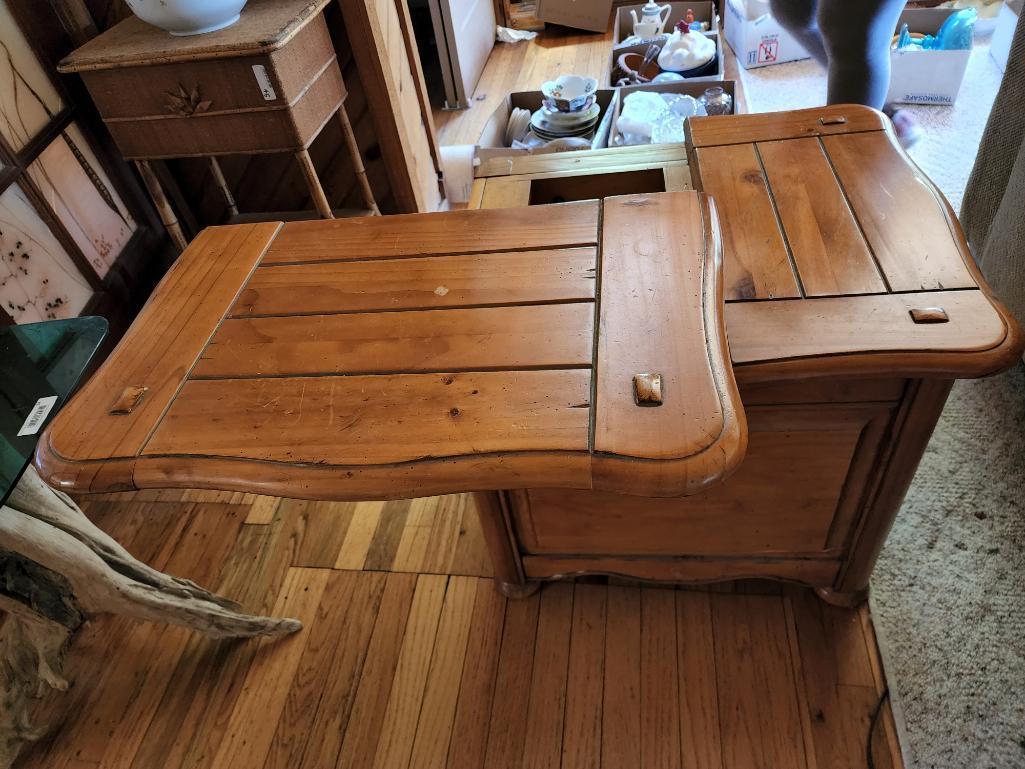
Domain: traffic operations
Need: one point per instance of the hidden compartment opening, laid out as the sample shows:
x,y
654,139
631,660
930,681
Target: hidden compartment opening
x,y
566,189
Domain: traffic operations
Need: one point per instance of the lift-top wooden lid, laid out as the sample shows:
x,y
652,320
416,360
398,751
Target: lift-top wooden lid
x,y
841,257
577,345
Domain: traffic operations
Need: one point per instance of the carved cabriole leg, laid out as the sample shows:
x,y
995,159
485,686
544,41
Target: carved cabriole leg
x,y
913,427
505,560
58,569
167,215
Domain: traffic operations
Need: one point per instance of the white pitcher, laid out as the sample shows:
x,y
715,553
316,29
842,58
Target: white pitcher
x,y
652,21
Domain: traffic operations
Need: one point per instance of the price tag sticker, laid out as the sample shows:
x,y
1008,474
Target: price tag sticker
x,y
37,416
263,80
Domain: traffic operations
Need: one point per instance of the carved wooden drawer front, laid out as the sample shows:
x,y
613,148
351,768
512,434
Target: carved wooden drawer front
x,y
785,499
251,102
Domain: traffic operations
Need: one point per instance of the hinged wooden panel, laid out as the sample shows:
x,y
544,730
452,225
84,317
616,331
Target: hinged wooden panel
x,y
660,311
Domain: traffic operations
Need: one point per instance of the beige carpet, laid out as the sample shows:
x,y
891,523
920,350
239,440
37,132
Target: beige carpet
x,y
948,596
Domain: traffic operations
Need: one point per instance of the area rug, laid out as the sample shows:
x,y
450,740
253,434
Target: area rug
x,y
948,595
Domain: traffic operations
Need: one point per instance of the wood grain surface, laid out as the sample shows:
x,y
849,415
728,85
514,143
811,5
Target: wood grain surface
x,y
757,264
660,311
322,698
454,232
264,26
481,339
829,251
512,277
362,420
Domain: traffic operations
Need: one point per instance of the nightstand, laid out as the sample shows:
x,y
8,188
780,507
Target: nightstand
x,y
267,84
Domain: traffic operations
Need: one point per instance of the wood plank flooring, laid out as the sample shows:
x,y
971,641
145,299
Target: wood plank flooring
x,y
410,658
526,65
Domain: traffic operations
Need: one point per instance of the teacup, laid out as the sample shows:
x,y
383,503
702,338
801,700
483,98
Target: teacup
x,y
569,93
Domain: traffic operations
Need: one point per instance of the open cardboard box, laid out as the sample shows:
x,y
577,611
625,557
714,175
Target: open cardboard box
x,y
926,77
623,23
688,87
641,48
492,139
592,15
758,42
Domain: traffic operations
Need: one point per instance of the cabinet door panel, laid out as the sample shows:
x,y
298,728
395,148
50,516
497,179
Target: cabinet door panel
x,y
796,493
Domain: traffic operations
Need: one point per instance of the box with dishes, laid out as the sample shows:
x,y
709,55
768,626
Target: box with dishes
x,y
568,113
686,54
655,113
635,24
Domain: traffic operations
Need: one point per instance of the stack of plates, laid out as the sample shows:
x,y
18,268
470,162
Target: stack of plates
x,y
550,125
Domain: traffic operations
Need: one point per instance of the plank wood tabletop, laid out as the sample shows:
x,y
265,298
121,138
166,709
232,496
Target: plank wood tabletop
x,y
396,356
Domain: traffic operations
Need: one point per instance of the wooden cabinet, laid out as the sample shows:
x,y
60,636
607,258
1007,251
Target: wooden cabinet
x,y
617,382
835,251
267,84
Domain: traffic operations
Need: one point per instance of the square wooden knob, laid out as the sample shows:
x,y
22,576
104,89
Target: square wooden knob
x,y
929,315
130,398
648,389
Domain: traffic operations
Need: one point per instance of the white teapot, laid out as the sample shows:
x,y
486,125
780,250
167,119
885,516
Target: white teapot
x,y
686,50
652,20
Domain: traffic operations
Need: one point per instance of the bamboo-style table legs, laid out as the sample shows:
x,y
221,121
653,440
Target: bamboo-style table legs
x,y
320,201
222,185
357,161
317,194
59,570
164,209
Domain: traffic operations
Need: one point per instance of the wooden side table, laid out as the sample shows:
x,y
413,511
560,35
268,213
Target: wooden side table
x,y
267,84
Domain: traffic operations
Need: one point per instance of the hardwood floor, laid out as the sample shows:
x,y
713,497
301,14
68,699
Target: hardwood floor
x,y
410,658
524,66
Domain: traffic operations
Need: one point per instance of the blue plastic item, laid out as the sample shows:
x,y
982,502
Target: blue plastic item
x,y
954,35
957,31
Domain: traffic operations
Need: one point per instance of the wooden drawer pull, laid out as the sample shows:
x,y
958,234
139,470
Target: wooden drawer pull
x,y
838,120
129,399
648,389
929,315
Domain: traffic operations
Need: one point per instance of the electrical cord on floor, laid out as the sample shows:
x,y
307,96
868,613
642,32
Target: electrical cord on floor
x,y
869,761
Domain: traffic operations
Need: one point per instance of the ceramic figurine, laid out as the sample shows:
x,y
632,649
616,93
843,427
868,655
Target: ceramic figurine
x,y
686,50
652,21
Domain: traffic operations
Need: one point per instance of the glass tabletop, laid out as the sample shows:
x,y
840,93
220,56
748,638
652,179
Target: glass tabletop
x,y
40,364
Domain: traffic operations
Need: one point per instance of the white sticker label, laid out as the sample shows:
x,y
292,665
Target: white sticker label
x,y
37,416
263,81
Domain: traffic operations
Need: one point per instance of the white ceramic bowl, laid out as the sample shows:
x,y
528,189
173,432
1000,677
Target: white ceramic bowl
x,y
569,93
188,17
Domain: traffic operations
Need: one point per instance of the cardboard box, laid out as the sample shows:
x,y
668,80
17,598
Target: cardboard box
x,y
623,24
758,42
1003,32
592,15
641,48
689,87
925,77
492,139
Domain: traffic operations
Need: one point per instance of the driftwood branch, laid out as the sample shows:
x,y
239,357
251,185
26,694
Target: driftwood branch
x,y
57,569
